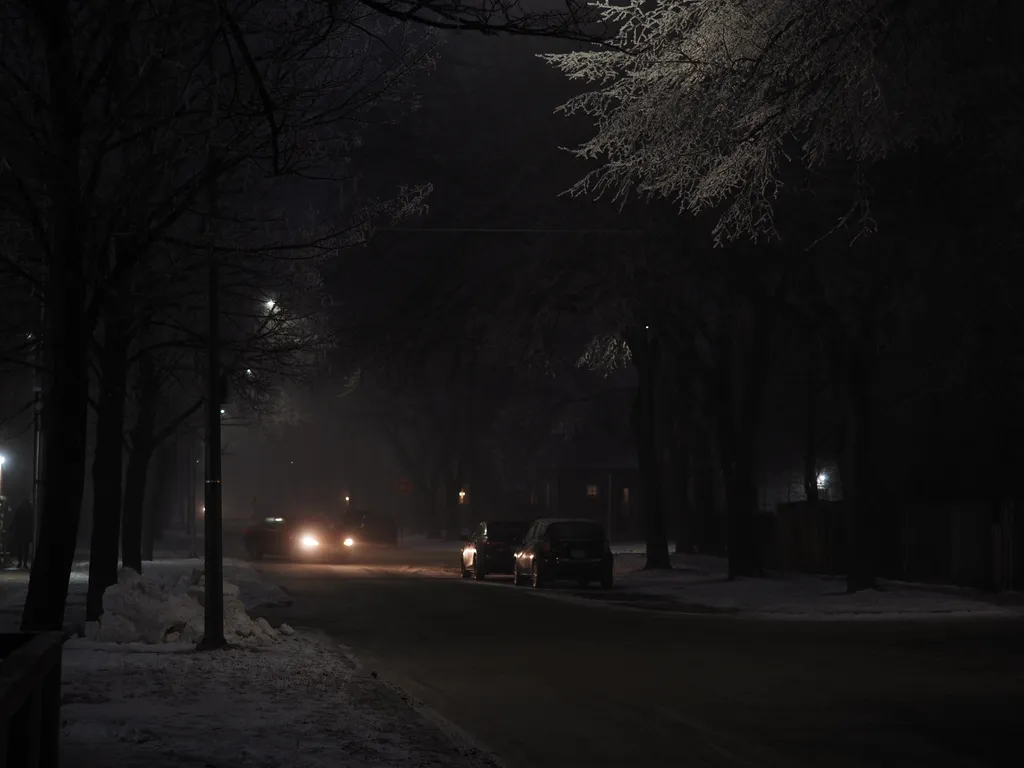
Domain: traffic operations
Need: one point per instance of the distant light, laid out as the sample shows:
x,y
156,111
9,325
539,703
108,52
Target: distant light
x,y
309,542
3,459
462,496
647,327
270,304
347,499
248,371
822,481
349,541
222,411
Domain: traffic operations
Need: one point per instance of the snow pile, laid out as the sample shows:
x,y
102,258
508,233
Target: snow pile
x,y
166,606
300,704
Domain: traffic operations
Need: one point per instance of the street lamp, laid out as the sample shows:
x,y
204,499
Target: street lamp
x,y
462,496
270,304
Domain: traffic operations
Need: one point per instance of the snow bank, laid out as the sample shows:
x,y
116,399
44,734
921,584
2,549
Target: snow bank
x,y
300,704
165,605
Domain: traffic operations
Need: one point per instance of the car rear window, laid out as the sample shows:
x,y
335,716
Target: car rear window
x,y
506,531
575,530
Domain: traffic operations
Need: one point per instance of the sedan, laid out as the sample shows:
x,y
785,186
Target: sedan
x,y
491,548
562,548
310,538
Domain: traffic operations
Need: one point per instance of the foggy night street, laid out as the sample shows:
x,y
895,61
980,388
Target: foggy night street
x,y
699,320
542,682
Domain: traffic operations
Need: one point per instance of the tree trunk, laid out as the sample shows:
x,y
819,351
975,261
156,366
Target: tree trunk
x,y
704,512
155,511
452,518
64,419
645,352
138,464
742,365
66,340
431,518
685,534
811,442
860,493
107,468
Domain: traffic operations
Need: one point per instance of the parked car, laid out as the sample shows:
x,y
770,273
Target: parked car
x,y
563,548
307,537
491,548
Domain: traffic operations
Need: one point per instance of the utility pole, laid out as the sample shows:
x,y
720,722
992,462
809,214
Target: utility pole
x,y
213,635
193,550
609,506
37,430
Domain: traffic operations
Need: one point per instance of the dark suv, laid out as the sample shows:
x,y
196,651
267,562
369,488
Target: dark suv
x,y
560,548
491,548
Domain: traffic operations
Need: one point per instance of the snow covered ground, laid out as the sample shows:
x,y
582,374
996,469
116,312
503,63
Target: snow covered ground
x,y
699,585
136,694
299,703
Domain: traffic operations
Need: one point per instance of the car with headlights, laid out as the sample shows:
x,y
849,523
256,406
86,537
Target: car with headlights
x,y
569,549
490,548
370,529
308,537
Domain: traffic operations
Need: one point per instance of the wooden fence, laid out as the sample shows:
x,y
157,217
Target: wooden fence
x,y
30,699
963,544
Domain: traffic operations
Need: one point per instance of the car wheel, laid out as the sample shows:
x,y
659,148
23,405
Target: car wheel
x,y
462,567
607,580
478,573
537,577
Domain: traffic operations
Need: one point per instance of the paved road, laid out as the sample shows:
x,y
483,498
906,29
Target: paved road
x,y
547,683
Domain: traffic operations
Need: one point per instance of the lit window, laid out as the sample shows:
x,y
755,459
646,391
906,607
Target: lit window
x,y
592,491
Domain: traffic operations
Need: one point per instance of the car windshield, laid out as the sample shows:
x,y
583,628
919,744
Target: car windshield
x,y
505,531
575,530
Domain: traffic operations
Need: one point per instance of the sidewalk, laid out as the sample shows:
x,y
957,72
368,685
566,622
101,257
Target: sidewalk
x,y
297,704
277,698
699,584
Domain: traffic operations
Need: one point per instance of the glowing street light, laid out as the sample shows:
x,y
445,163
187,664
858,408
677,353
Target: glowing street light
x,y
270,304
462,496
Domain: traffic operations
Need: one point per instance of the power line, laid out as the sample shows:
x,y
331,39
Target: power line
x,y
516,231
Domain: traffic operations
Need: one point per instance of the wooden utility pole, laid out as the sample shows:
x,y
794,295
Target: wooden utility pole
x,y
213,634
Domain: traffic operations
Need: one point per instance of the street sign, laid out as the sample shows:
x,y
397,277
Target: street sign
x,y
405,486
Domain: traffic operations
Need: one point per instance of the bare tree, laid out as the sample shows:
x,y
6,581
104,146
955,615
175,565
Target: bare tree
x,y
106,117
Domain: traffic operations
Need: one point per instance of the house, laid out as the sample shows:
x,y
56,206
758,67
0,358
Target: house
x,y
593,478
